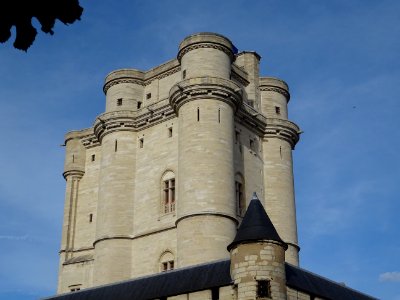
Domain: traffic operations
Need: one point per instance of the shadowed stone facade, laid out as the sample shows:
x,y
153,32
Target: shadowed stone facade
x,y
160,181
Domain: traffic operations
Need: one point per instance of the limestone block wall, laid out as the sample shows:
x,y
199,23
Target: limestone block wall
x,y
115,207
157,155
188,117
254,262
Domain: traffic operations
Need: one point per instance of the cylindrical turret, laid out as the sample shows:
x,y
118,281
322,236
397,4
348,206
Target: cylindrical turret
x,y
280,138
206,196
124,89
258,257
114,223
74,168
206,54
250,62
274,97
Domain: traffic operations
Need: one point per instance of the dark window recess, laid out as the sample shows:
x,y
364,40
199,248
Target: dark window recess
x,y
141,143
215,293
93,157
119,102
148,96
73,158
90,218
170,132
183,74
252,145
198,114
139,105
263,289
277,110
219,115
251,103
116,146
237,137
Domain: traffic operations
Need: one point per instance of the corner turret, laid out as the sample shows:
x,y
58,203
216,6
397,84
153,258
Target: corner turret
x,y
258,257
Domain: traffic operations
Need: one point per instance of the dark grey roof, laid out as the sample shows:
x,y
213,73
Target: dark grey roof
x,y
318,286
255,226
176,282
207,276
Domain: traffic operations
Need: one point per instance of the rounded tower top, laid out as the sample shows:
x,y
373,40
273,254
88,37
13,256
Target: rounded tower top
x,y
123,76
276,85
207,40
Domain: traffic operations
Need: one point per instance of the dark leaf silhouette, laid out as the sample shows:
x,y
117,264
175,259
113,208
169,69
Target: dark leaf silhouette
x,y
19,13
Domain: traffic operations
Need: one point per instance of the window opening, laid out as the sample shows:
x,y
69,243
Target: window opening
x,y
73,158
241,207
119,102
139,104
183,74
198,114
141,143
170,132
148,96
169,195
219,115
237,137
252,145
215,293
90,218
116,146
263,289
251,103
93,157
167,262
277,110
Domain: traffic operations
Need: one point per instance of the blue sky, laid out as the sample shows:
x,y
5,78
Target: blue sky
x,y
341,61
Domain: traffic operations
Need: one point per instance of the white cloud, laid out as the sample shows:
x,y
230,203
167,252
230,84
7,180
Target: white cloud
x,y
390,276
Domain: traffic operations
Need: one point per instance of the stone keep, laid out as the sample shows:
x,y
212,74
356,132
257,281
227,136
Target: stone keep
x,y
161,179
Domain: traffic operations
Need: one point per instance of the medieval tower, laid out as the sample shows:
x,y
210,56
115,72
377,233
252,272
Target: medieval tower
x,y
163,178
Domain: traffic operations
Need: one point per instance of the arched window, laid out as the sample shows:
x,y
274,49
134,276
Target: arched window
x,y
167,261
168,192
239,195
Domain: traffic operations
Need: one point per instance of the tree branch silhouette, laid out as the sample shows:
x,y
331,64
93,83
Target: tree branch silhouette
x,y
19,13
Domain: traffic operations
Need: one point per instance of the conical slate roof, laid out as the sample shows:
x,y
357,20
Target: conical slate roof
x,y
256,226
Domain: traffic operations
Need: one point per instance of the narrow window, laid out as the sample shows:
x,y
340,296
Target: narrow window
x,y
280,151
119,102
116,146
241,207
170,132
148,96
183,74
139,104
169,195
263,289
237,137
73,158
90,218
141,143
93,157
215,293
219,115
277,110
252,145
198,114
